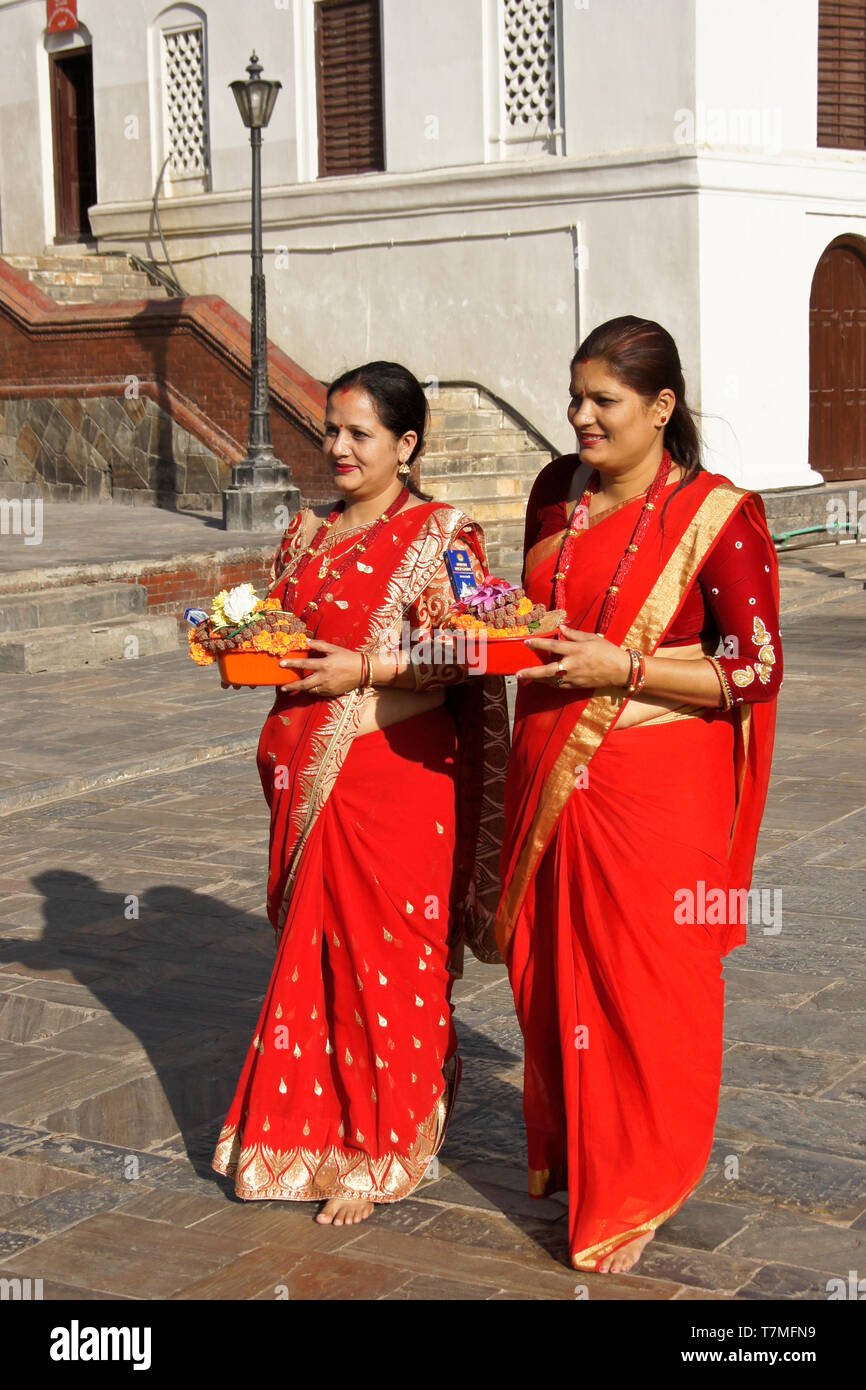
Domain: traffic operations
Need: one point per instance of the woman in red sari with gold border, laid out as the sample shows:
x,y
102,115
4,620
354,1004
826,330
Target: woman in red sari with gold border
x,y
372,778
637,782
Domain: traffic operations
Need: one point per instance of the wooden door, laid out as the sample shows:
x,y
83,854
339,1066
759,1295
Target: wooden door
x,y
74,143
837,362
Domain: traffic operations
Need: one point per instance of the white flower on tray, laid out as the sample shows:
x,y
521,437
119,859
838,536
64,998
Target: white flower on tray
x,y
234,605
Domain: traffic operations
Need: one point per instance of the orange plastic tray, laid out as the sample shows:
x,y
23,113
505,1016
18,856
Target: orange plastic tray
x,y
257,668
503,656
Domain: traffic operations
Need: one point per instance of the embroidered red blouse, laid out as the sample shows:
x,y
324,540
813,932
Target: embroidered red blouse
x,y
730,606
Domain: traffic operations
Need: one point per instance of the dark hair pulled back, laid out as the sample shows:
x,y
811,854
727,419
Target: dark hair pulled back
x,y
399,400
644,356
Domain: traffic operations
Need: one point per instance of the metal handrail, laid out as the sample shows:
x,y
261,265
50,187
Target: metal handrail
x,y
155,272
174,283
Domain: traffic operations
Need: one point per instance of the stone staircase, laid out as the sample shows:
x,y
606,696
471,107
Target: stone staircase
x,y
480,459
80,625
82,275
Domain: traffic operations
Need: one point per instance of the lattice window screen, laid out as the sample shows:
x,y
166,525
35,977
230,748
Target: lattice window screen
x,y
185,104
530,62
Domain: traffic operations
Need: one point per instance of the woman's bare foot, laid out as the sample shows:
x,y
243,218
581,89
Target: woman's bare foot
x,y
340,1211
626,1257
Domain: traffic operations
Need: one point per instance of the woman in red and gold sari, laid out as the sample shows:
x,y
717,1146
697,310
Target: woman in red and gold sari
x,y
636,786
371,776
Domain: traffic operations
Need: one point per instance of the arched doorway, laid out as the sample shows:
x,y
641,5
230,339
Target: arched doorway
x,y
837,361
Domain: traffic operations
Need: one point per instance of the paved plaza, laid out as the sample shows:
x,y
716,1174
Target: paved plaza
x,y
135,952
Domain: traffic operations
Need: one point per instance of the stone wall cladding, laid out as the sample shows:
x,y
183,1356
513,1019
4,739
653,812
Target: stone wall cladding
x,y
106,448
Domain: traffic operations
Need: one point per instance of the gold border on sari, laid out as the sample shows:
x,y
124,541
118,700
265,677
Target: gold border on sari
x,y
299,1174
588,1259
329,746
601,710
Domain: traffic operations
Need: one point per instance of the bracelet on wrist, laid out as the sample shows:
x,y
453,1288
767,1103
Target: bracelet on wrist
x,y
637,673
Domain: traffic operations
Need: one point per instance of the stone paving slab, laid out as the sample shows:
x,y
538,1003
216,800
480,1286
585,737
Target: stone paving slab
x,y
121,1037
94,533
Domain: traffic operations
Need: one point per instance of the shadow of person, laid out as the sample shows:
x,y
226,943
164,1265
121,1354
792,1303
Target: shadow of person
x,y
175,982
180,977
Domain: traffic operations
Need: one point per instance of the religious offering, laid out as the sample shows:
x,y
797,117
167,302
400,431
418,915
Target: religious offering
x,y
247,637
500,617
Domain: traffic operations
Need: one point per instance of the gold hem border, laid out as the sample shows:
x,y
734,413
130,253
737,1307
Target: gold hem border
x,y
588,1259
330,1172
310,1175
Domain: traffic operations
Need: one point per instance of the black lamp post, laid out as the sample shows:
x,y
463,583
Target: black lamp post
x,y
260,484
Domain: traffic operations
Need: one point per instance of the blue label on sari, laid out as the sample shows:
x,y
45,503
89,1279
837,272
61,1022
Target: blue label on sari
x,y
460,572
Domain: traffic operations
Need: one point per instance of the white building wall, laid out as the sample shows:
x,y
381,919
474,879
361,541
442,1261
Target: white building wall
x,y
434,64
688,188
629,64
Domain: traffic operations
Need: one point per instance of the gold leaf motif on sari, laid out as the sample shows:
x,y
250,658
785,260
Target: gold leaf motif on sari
x,y
282,1086
760,635
743,677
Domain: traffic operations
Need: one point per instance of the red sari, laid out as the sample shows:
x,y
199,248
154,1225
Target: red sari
x,y
346,1087
620,1000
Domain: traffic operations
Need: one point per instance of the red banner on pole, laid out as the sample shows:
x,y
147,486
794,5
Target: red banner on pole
x,y
61,16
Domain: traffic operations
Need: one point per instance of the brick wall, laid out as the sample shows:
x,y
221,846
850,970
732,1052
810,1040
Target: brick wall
x,y
189,356
173,590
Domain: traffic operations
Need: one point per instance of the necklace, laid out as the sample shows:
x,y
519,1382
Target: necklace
x,y
578,521
317,546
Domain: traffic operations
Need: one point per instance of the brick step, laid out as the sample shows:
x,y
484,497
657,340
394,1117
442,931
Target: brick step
x,y
455,466
68,649
79,280
87,261
469,487
461,421
71,294
504,441
486,509
70,606
457,398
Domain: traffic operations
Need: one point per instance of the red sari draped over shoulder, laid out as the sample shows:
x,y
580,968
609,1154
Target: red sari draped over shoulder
x,y
346,1085
607,831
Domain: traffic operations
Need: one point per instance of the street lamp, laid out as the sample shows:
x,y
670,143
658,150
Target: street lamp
x,y
260,484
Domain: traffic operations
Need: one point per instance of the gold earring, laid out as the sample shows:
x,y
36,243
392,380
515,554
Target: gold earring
x,y
405,469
